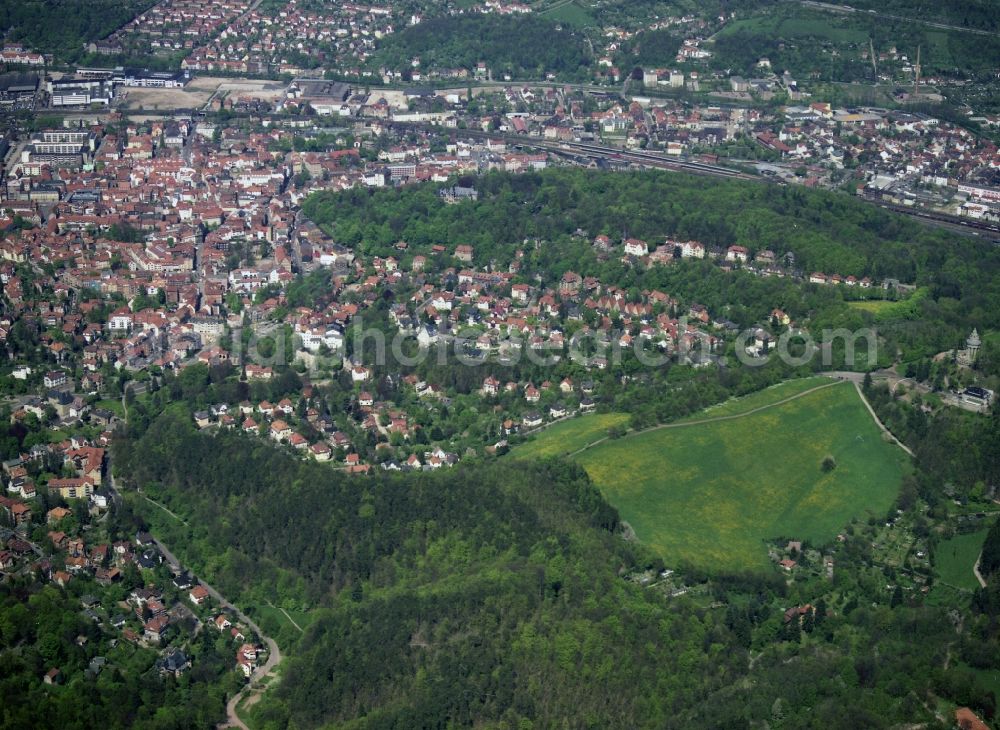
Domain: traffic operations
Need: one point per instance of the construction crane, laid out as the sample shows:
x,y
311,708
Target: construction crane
x,y
916,74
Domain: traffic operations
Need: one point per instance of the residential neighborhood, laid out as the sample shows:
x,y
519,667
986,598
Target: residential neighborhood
x,y
181,239
500,364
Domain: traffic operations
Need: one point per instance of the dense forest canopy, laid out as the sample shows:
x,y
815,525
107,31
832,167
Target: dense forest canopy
x,y
657,48
521,46
481,594
62,27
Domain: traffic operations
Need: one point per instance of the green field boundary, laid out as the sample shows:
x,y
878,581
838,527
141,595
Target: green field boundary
x,y
956,560
766,396
719,495
715,419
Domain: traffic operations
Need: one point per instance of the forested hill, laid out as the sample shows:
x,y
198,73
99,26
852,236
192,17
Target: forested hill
x,y
497,596
62,27
477,595
826,231
524,47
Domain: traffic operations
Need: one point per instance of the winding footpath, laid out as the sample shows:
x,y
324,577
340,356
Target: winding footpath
x,y
975,572
290,619
881,425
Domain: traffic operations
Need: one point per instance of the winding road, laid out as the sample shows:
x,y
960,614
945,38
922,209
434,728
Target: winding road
x,y
273,652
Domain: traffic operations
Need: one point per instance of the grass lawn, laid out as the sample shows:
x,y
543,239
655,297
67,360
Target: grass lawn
x,y
954,558
712,494
569,13
570,435
885,310
111,404
874,306
765,397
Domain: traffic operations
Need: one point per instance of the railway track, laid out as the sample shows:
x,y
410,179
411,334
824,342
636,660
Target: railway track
x,y
657,160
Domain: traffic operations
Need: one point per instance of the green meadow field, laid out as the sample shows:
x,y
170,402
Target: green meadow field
x,y
713,494
885,310
798,23
954,558
572,13
762,398
568,436
572,435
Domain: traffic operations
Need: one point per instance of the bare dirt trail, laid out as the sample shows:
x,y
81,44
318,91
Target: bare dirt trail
x,y
975,572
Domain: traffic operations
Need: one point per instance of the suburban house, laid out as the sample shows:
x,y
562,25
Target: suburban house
x,y
280,430
198,595
54,379
692,250
72,487
156,628
635,247
737,253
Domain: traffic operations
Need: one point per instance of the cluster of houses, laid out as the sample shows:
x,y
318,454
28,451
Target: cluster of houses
x,y
193,601
296,38
153,616
75,455
172,25
329,443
